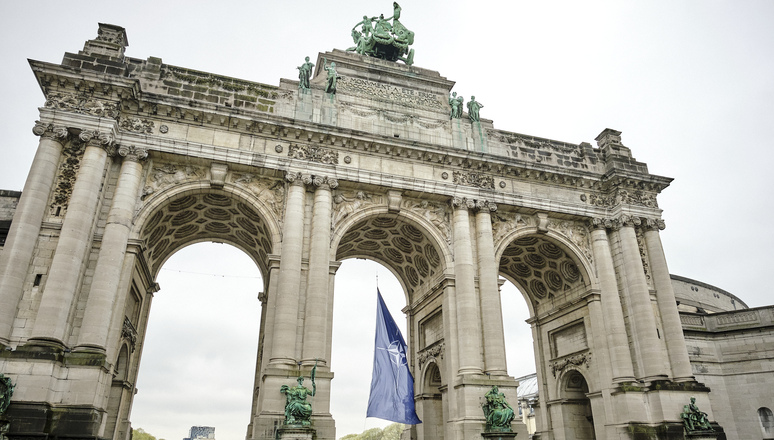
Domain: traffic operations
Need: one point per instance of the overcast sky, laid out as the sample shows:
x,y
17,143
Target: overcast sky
x,y
689,83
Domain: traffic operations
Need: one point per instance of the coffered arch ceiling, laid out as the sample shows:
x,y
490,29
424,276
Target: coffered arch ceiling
x,y
207,216
543,269
397,243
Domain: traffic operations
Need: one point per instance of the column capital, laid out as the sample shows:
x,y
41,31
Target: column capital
x,y
325,182
654,224
132,153
485,206
294,179
629,221
462,203
601,223
95,138
50,131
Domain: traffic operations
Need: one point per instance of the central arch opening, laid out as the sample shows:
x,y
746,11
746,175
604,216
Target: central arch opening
x,y
354,324
198,358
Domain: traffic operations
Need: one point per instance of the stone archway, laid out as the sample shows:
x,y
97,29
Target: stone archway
x,y
577,417
552,274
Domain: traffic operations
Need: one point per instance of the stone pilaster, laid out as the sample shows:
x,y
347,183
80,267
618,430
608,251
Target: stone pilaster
x,y
104,287
468,315
491,309
667,306
25,228
615,327
641,316
317,313
283,347
74,242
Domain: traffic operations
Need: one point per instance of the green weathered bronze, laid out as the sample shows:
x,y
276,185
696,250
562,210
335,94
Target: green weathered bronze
x,y
473,108
6,391
497,411
456,106
694,419
304,73
380,38
297,410
333,76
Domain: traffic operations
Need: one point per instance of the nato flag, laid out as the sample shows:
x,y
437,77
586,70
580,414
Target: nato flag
x,y
392,386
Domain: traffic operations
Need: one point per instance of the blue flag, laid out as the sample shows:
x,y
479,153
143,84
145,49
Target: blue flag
x,y
392,386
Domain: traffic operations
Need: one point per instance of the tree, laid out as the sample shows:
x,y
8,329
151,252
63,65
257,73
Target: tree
x,y
140,434
391,432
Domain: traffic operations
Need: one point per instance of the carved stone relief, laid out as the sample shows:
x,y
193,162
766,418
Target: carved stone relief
x,y
83,104
503,223
435,351
349,202
165,175
136,125
68,170
388,93
270,191
559,365
478,180
437,214
313,153
644,255
576,233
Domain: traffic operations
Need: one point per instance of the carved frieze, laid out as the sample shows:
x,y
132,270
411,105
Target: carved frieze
x,y
622,197
165,175
389,93
559,365
83,104
136,125
313,153
478,180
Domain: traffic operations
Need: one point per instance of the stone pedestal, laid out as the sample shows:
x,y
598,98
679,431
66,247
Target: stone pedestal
x,y
295,432
704,435
497,435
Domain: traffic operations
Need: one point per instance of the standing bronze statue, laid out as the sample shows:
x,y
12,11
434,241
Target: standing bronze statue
x,y
333,76
304,73
473,108
297,410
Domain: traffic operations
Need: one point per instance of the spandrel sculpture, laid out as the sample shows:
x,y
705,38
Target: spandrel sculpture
x,y
384,37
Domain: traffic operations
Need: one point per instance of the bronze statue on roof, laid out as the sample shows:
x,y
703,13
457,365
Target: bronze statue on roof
x,y
380,38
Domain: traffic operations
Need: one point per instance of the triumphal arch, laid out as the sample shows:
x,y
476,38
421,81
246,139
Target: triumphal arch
x,y
368,156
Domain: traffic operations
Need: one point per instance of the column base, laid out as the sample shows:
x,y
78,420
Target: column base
x,y
495,435
295,432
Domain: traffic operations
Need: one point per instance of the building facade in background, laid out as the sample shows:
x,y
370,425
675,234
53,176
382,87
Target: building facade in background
x,y
138,159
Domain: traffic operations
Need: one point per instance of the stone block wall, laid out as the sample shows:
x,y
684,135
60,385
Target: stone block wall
x,y
733,354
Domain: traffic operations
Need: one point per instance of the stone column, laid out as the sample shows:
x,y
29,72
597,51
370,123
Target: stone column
x,y
317,314
491,309
283,347
667,306
25,227
104,287
641,316
469,326
74,242
618,343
